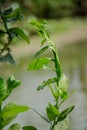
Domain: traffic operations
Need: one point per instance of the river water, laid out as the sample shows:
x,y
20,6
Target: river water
x,y
74,64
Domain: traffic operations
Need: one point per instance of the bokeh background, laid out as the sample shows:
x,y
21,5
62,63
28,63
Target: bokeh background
x,y
68,27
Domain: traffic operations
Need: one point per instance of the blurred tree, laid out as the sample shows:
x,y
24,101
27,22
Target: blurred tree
x,y
80,7
53,8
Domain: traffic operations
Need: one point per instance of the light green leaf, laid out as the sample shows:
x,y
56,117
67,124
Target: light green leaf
x,y
15,127
63,82
48,82
62,125
29,128
10,111
63,87
52,112
54,92
19,32
43,41
39,63
41,51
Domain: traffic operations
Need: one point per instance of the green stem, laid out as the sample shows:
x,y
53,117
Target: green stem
x,y
57,63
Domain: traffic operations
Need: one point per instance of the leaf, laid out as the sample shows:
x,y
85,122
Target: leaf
x,y
15,127
10,111
48,82
43,41
52,112
64,113
8,11
2,87
41,51
39,63
7,58
54,92
63,86
19,32
63,82
62,125
12,15
29,128
12,83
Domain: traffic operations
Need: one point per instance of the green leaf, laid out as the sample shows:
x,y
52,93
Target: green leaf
x,y
39,63
19,32
15,127
63,82
48,82
41,51
43,41
64,113
2,87
7,58
63,86
54,92
10,111
62,125
12,15
12,83
52,112
8,11
29,128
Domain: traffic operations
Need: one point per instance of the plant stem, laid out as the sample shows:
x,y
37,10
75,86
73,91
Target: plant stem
x,y
5,46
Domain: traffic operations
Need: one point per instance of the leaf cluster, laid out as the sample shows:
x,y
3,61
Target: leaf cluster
x,y
58,85
10,15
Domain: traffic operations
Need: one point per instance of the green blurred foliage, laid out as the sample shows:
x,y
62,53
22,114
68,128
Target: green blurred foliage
x,y
53,8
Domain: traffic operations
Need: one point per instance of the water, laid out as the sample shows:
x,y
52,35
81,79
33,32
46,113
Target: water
x,y
74,64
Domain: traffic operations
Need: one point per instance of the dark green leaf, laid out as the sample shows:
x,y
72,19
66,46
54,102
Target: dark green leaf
x,y
41,51
15,127
39,63
12,83
10,111
19,32
29,128
7,58
2,87
64,113
15,14
48,82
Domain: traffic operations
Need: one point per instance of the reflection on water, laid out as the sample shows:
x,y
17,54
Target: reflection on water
x,y
74,64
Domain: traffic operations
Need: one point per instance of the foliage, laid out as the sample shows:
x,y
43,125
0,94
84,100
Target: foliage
x,y
58,85
54,8
8,33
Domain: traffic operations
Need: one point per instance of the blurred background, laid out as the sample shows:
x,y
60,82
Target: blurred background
x,y
68,27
